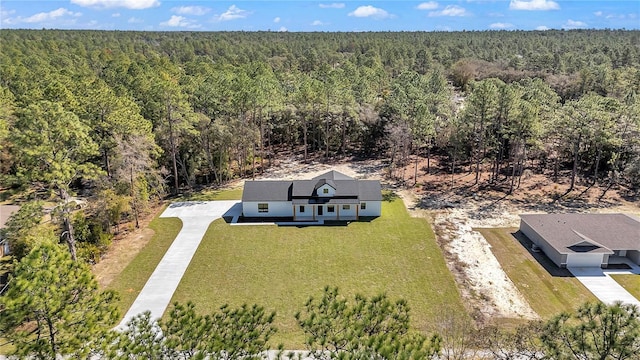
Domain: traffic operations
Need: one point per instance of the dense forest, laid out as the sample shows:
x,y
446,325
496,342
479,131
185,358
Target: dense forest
x,y
126,117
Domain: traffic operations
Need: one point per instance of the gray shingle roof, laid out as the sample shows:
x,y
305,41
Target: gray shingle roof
x,y
333,175
601,233
370,190
266,190
346,187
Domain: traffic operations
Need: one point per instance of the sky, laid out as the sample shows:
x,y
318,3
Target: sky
x,y
326,16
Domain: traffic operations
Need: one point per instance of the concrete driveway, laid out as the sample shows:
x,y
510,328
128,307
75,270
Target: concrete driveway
x,y
196,217
604,287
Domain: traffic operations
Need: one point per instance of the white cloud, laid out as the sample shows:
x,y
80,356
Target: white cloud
x,y
191,10
45,16
180,21
431,5
107,4
450,10
533,5
232,13
115,15
276,20
4,14
317,23
542,28
135,20
370,11
500,26
598,13
283,29
574,24
332,6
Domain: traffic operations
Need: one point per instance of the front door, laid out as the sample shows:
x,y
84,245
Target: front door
x,y
320,210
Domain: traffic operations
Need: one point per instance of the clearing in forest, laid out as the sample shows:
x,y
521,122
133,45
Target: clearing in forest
x,y
280,267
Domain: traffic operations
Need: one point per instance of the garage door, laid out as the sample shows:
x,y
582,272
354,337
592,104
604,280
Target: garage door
x,y
584,260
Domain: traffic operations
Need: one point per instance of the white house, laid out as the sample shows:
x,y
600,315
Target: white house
x,y
330,196
584,240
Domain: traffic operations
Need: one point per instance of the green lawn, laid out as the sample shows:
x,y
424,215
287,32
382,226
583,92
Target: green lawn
x,y
630,282
280,267
548,289
132,279
209,195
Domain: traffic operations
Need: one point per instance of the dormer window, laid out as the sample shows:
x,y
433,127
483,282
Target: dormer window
x,y
325,191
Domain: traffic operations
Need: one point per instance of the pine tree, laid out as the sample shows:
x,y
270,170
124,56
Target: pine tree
x,y
53,306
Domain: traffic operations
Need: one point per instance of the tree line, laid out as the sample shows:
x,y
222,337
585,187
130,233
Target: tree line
x,y
54,309
124,118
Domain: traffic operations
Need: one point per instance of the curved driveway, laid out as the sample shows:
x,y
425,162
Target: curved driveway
x,y
159,289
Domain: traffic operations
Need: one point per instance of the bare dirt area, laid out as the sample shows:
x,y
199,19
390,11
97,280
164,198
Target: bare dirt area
x,y
456,206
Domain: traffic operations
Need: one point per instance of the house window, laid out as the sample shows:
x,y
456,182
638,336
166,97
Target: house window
x,y
363,206
263,207
331,208
346,207
325,191
301,208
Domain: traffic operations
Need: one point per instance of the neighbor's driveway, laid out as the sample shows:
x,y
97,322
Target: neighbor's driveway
x,y
603,286
196,217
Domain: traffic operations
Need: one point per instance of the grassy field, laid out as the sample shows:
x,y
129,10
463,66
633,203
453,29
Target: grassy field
x,y
548,289
131,281
280,267
209,195
629,282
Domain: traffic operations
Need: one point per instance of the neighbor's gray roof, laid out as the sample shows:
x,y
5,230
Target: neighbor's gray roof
x,y
269,190
5,213
606,231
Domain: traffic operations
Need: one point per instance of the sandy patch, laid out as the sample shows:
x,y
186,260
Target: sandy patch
x,y
290,169
479,274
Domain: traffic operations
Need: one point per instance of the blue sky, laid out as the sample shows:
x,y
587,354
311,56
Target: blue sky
x,y
298,15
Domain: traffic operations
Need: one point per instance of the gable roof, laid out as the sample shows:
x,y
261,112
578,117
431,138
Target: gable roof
x,y
345,187
594,233
333,175
322,182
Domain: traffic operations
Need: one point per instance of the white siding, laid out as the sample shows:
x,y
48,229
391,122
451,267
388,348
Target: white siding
x,y
276,209
348,214
307,213
374,208
330,191
584,260
550,251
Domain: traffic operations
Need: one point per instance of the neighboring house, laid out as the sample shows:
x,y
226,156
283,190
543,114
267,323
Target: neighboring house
x,y
5,213
330,196
584,240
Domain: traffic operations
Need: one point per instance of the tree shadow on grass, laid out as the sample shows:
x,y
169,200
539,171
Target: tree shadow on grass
x,y
389,196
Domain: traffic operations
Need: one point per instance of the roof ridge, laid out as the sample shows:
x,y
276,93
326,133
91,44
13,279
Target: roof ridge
x,y
587,240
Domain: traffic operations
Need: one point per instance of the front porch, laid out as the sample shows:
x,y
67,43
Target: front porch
x,y
326,211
